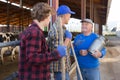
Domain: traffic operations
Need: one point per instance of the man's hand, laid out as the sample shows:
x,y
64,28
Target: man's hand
x,y
97,54
68,34
83,52
62,50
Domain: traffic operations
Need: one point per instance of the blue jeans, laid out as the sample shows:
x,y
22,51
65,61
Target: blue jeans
x,y
89,74
58,76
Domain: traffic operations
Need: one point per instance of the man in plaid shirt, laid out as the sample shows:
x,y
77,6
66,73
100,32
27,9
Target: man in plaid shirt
x,y
64,14
34,61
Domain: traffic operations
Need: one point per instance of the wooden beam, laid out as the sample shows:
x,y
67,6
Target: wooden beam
x,y
91,9
83,9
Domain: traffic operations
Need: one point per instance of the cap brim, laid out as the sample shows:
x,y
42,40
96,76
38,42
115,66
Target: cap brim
x,y
71,12
83,21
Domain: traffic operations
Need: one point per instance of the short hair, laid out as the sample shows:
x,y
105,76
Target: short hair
x,y
41,11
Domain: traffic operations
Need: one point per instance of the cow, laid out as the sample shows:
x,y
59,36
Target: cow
x,y
9,50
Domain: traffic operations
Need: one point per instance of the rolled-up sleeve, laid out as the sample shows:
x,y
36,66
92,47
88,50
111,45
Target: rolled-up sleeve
x,y
103,51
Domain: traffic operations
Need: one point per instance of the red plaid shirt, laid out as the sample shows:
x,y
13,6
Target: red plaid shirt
x,y
34,56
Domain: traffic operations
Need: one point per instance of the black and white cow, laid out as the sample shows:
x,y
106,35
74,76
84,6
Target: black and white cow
x,y
9,50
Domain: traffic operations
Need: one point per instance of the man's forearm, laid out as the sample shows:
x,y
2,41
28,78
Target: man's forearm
x,y
67,41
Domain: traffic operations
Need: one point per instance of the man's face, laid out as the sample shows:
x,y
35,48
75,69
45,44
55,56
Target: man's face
x,y
86,27
66,18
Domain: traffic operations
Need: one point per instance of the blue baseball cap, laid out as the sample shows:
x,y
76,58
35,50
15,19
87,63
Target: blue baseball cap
x,y
63,9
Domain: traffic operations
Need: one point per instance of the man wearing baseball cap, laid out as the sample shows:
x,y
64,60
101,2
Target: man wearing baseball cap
x,y
88,63
63,16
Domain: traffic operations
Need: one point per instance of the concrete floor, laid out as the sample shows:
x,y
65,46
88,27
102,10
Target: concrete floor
x,y
110,64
